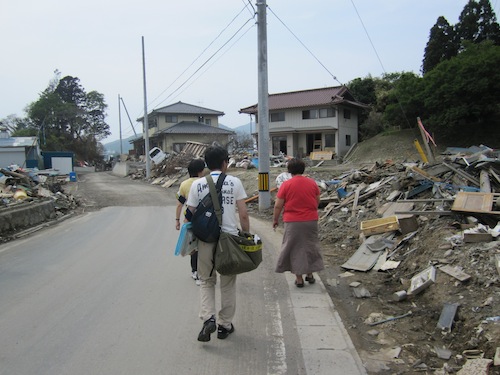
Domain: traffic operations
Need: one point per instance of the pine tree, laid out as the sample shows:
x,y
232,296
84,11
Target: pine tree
x,y
440,46
477,23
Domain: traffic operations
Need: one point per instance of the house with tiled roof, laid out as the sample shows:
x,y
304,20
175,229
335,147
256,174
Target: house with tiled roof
x,y
170,127
302,122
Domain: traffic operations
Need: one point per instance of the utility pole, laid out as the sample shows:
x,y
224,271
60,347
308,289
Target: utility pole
x,y
145,122
120,124
263,107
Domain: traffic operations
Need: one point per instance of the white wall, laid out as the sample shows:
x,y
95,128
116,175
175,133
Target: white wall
x,y
12,155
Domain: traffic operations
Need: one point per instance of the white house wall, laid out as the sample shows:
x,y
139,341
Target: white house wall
x,y
12,155
296,129
347,127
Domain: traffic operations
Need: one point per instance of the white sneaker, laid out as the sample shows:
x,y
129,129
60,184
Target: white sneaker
x,y
198,282
194,275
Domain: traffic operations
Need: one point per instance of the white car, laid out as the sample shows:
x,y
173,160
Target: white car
x,y
157,155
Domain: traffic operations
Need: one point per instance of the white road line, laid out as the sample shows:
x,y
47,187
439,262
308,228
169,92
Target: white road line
x,y
276,363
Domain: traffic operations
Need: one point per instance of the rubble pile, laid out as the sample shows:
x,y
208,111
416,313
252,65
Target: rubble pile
x,y
21,188
418,249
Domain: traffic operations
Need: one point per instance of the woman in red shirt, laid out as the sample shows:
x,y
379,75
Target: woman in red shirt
x,y
298,198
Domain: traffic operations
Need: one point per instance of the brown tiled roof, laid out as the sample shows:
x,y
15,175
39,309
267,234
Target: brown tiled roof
x,y
308,98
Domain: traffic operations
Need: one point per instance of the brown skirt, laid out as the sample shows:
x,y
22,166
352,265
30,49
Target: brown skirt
x,y
300,250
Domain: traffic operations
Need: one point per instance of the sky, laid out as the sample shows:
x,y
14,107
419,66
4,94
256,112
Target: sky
x,y
205,53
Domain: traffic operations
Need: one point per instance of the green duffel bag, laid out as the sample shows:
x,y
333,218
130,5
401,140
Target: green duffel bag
x,y
237,254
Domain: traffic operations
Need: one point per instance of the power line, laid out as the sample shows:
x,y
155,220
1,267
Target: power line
x,y
206,61
368,35
308,50
198,57
213,63
382,65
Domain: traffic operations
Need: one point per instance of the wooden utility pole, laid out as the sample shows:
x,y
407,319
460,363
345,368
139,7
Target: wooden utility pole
x,y
263,107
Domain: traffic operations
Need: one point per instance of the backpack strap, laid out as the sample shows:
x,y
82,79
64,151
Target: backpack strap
x,y
215,192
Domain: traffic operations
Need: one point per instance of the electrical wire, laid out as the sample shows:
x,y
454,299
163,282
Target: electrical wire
x,y
252,12
213,63
198,57
206,62
381,64
303,45
368,36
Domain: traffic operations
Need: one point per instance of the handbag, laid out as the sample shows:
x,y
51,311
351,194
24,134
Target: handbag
x,y
235,254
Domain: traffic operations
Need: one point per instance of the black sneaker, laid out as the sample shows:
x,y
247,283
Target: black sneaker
x,y
208,328
222,332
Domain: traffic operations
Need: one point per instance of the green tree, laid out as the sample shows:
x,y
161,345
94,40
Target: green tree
x,y
69,118
18,127
441,45
461,96
363,90
405,103
477,23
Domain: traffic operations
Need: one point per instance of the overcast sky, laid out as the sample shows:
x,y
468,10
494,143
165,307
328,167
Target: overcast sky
x,y
100,43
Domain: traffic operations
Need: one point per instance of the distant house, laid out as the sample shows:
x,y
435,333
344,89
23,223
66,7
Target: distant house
x,y
172,126
301,122
21,151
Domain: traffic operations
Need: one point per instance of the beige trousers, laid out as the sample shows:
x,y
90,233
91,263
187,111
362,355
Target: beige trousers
x,y
208,278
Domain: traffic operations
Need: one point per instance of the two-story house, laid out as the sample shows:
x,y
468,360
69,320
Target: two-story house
x,y
170,127
301,122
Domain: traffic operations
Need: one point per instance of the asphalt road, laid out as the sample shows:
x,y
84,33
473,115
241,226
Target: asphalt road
x,y
102,293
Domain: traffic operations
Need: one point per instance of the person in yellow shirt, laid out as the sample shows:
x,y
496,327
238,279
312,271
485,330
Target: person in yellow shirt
x,y
196,168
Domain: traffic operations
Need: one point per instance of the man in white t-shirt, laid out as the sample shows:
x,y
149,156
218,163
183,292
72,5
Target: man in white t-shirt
x,y
233,202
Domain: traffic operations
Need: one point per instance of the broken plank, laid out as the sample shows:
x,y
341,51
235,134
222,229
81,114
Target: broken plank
x,y
444,213
425,174
455,272
255,197
465,175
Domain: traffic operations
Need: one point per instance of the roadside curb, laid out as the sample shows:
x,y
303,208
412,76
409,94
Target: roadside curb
x,y
326,346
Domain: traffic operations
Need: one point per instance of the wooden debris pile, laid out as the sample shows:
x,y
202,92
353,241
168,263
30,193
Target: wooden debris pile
x,y
20,187
433,230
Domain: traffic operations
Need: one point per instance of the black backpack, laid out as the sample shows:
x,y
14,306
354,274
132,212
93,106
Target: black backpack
x,y
207,220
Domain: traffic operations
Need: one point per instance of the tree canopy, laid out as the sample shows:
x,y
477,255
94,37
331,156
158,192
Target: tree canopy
x,y
70,119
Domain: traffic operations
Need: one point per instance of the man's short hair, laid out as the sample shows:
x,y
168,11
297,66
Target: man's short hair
x,y
215,156
296,166
195,167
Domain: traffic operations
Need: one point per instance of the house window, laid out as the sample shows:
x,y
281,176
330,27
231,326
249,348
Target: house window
x,y
309,114
201,119
171,118
347,140
208,121
277,116
326,112
347,113
329,140
152,123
